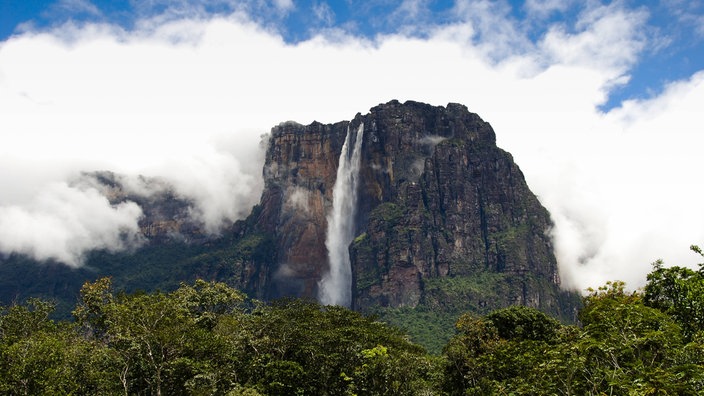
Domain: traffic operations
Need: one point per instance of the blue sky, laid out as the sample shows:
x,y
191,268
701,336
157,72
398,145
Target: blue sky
x,y
599,103
674,30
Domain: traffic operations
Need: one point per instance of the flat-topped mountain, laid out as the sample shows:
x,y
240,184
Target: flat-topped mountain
x,y
436,202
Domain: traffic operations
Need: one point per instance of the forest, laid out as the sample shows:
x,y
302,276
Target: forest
x,y
207,338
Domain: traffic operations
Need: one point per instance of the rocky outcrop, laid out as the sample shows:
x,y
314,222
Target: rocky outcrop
x,y
437,200
166,215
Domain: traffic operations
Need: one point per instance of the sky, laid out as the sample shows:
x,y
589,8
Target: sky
x,y
599,102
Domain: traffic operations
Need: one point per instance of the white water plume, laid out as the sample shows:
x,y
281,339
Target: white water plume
x,y
336,285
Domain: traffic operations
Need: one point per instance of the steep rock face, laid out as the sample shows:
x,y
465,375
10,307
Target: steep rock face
x,y
442,201
299,172
437,200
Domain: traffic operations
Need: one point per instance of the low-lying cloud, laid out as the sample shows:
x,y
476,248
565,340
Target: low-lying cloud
x,y
64,222
187,100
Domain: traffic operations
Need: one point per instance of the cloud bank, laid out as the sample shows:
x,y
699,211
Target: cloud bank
x,y
188,98
63,223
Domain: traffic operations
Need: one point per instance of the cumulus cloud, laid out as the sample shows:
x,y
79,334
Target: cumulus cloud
x,y
187,99
628,195
224,184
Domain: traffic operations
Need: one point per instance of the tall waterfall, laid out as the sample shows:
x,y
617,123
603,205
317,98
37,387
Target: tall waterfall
x,y
336,286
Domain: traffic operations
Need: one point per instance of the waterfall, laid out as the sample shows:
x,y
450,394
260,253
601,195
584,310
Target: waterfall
x,y
335,288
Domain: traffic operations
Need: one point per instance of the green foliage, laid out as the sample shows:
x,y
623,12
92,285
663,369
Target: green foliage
x,y
22,321
298,347
206,338
39,356
161,266
623,348
431,322
504,351
523,323
390,213
360,238
629,347
479,293
429,328
679,292
161,339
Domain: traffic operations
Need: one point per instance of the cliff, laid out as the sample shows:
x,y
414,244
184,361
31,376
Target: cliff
x,y
438,203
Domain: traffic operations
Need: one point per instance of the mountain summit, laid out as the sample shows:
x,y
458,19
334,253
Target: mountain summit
x,y
436,204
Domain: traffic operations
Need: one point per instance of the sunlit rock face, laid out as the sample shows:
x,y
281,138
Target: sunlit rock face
x,y
436,199
299,172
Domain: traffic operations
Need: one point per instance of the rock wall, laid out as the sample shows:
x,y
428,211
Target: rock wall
x,y
437,199
442,201
299,173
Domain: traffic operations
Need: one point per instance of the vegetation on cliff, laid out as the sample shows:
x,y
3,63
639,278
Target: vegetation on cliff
x,y
208,338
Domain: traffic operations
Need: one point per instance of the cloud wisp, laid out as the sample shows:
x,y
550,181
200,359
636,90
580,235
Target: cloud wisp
x,y
187,99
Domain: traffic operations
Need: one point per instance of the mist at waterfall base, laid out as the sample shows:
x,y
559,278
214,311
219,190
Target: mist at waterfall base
x,y
186,99
335,288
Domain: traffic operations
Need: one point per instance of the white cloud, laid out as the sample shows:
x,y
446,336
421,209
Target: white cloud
x,y
608,38
64,222
541,9
495,33
324,13
284,5
73,7
188,99
411,10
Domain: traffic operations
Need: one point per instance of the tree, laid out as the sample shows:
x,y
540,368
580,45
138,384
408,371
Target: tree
x,y
504,351
164,340
679,292
299,347
39,356
622,348
630,348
